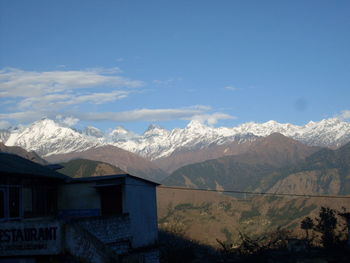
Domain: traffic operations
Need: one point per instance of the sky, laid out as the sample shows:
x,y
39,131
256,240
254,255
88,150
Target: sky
x,y
135,63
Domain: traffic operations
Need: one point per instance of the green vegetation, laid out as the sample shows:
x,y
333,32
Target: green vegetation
x,y
249,214
87,168
289,212
188,206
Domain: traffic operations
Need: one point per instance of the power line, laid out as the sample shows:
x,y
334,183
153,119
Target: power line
x,y
254,193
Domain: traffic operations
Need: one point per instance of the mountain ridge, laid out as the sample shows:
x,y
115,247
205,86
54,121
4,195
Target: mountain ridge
x,y
247,171
48,137
126,161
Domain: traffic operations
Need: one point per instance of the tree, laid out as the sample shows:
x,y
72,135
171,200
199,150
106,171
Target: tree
x,y
307,224
326,224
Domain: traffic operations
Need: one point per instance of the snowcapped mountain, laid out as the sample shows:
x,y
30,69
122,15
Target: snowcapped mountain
x,y
47,137
93,132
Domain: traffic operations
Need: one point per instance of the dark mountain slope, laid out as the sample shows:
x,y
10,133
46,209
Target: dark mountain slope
x,y
182,157
32,156
324,172
244,171
88,168
127,161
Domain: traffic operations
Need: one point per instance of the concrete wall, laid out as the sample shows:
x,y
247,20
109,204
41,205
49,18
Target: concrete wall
x,y
78,200
139,201
141,204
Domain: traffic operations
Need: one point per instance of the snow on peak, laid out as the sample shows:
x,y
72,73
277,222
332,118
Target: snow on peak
x,y
155,130
49,137
120,134
195,124
119,130
93,132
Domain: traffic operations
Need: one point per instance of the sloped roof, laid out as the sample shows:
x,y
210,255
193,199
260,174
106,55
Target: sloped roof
x,y
14,164
110,177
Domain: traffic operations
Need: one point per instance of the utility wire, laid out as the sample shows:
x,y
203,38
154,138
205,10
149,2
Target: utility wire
x,y
254,193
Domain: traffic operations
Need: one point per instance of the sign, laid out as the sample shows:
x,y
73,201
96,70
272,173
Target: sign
x,y
30,238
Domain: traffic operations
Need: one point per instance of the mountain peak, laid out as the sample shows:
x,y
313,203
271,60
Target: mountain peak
x,y
155,130
120,130
196,124
153,127
93,131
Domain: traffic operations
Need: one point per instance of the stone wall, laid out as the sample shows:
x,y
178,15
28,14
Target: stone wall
x,y
85,247
113,231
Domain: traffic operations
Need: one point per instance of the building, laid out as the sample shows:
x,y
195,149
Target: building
x,y
44,214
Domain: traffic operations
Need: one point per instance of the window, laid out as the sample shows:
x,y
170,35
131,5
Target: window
x,y
2,203
111,200
44,201
27,200
14,202
10,202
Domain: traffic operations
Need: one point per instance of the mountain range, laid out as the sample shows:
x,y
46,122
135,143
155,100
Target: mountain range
x,y
126,161
47,137
274,164
257,162
159,152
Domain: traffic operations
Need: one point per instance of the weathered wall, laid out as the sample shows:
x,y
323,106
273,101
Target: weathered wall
x,y
113,231
140,203
78,200
84,246
34,237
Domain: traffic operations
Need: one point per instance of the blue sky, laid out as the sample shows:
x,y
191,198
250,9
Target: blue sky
x,y
132,63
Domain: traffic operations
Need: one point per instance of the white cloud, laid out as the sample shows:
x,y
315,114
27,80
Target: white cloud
x,y
26,116
4,124
212,119
19,83
151,115
60,100
68,121
231,88
70,118
345,114
30,95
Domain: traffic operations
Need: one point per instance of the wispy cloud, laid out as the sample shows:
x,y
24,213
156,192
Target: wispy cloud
x,y
27,116
147,114
232,88
344,115
64,96
212,119
61,100
4,124
170,82
20,83
29,95
68,121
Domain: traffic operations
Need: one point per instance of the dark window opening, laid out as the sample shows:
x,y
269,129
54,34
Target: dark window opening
x,y
111,200
14,203
2,203
10,202
44,201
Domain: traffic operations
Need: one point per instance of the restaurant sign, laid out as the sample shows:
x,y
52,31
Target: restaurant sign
x,y
30,238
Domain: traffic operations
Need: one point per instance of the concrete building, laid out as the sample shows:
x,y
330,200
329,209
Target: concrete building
x,y
44,214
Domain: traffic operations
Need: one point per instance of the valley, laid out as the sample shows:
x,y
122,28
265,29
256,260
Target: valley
x,y
253,160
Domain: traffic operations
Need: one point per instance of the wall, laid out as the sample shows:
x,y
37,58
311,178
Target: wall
x,y
86,247
79,199
113,231
140,203
32,237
